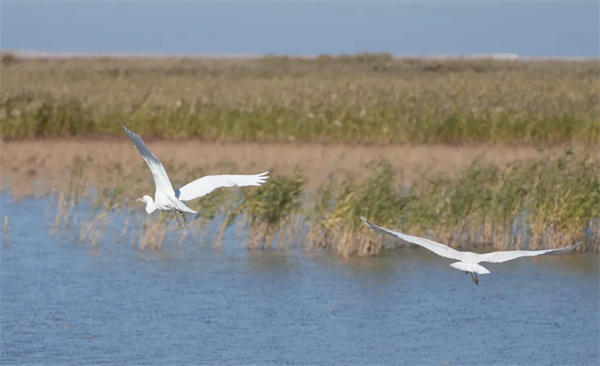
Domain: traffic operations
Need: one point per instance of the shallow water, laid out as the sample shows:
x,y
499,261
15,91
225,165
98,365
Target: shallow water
x,y
63,302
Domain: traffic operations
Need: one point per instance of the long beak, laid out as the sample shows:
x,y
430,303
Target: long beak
x,y
139,199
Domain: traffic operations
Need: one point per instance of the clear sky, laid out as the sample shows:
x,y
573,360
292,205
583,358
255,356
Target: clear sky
x,y
532,28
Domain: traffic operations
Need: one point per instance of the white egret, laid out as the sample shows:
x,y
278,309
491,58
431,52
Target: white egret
x,y
168,199
468,261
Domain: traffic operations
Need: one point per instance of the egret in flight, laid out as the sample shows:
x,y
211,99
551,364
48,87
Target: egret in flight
x,y
468,261
168,199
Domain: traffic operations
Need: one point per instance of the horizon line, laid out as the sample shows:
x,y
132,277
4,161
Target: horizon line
x,y
111,54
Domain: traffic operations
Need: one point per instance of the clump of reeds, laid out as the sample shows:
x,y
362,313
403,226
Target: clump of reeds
x,y
92,230
540,203
335,218
72,192
153,232
365,97
535,204
221,204
566,200
270,208
551,201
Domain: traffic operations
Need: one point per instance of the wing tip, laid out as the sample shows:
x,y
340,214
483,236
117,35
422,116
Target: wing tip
x,y
129,132
568,248
366,222
574,246
261,178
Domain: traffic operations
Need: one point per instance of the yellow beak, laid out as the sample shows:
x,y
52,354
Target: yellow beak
x,y
139,199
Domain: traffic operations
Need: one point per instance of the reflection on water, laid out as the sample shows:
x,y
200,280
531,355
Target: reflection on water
x,y
63,302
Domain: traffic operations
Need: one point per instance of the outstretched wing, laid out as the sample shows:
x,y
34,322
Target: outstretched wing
x,y
499,257
437,248
161,179
205,185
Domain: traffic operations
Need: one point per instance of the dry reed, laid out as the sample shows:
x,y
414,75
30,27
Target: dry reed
x,y
374,98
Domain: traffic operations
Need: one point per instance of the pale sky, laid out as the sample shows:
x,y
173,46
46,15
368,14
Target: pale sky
x,y
530,28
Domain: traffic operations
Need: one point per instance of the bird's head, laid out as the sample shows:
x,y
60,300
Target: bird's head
x,y
150,206
146,199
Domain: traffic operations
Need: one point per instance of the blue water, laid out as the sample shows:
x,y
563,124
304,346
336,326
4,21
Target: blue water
x,y
66,303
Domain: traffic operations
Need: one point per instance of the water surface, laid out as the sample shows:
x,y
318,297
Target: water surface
x,y
63,302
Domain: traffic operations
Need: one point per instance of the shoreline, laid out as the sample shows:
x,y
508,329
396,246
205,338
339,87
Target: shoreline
x,y
47,161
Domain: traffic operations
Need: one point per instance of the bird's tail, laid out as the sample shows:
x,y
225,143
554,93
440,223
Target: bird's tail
x,y
184,208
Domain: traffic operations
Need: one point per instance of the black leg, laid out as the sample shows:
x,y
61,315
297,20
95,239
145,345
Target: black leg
x,y
474,278
185,221
177,218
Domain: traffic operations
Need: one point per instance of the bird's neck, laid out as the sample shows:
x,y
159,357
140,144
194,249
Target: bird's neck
x,y
150,206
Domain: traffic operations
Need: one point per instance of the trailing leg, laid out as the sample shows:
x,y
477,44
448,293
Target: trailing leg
x,y
185,221
177,218
474,278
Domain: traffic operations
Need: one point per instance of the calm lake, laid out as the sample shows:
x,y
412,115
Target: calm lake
x,y
66,303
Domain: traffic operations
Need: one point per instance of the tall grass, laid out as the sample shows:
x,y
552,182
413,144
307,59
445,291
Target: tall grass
x,y
270,209
540,203
367,97
74,189
335,220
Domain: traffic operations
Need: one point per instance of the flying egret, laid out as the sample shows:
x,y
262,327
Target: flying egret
x,y
468,261
168,199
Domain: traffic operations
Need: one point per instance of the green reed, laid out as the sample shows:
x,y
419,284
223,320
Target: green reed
x,y
540,203
535,204
335,220
270,208
350,98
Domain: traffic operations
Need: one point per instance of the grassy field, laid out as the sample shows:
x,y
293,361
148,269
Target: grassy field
x,y
361,98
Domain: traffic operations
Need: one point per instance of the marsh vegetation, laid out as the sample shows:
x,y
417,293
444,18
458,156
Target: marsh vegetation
x,y
344,112
362,98
545,203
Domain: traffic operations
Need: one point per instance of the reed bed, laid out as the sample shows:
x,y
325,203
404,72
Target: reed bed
x,y
535,204
271,208
357,98
530,204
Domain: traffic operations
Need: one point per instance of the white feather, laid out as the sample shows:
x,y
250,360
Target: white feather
x,y
468,260
161,179
166,199
209,183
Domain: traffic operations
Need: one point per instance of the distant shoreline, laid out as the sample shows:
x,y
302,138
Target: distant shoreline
x,y
235,56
